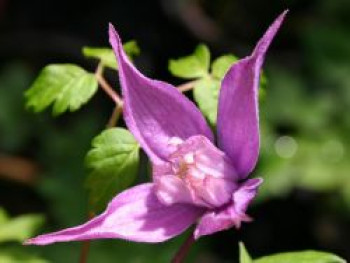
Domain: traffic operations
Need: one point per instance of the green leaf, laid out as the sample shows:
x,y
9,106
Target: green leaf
x,y
301,257
18,255
192,66
67,86
114,160
244,256
221,65
206,93
107,56
20,228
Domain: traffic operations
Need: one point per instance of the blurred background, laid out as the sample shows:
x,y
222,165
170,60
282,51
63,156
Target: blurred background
x,y
304,202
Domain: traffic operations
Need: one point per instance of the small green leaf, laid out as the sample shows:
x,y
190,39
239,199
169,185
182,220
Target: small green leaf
x,y
244,256
114,161
107,56
221,65
20,228
192,66
67,86
206,93
301,257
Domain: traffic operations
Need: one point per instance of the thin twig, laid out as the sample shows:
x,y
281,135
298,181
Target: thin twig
x,y
183,250
187,86
105,86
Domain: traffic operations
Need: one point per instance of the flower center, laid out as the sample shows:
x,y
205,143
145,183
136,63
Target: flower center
x,y
196,172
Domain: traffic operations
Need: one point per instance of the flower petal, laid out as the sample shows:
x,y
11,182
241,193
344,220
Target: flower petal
x,y
232,215
136,215
238,120
155,111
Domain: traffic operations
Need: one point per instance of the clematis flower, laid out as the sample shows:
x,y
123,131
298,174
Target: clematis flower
x,y
194,181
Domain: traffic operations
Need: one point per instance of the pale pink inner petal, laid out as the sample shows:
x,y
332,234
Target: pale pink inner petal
x,y
231,215
196,173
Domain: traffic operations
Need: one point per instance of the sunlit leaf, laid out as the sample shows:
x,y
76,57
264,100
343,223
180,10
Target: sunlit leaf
x,y
244,256
20,228
206,93
192,66
67,86
301,257
113,160
107,56
221,65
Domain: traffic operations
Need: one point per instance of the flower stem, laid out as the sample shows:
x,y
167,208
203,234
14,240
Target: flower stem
x,y
86,245
183,250
113,120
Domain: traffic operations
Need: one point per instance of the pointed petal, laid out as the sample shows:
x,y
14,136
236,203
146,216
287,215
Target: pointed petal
x,y
238,120
232,215
136,215
155,111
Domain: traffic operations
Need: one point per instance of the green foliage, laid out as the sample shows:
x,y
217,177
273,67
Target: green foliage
x,y
308,256
206,93
221,65
67,86
18,228
301,257
193,66
244,256
114,160
106,55
207,87
17,255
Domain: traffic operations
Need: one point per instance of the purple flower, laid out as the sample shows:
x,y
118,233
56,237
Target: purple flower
x,y
193,180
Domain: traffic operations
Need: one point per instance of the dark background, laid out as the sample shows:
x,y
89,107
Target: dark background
x,y
305,200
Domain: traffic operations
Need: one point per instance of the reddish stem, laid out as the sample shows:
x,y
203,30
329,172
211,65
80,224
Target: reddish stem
x,y
183,250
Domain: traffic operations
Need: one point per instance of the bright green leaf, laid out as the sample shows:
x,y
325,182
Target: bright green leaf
x,y
107,56
20,228
301,257
192,66
221,65
114,161
206,92
17,255
244,256
67,86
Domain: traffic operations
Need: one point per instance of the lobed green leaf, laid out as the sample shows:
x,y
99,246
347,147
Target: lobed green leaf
x,y
66,86
192,66
113,160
